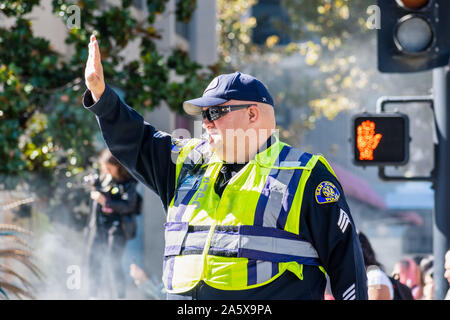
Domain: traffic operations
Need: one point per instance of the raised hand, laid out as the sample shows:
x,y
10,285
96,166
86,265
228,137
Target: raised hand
x,y
367,140
93,75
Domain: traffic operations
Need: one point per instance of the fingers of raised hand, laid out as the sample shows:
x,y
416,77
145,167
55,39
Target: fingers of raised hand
x,y
93,65
94,51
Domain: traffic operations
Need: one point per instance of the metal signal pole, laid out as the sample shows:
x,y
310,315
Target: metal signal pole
x,y
441,181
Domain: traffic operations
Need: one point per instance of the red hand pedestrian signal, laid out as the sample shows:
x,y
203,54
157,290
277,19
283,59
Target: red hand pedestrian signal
x,y
367,140
380,139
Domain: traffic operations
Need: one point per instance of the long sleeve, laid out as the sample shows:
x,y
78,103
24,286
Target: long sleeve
x,y
139,147
330,228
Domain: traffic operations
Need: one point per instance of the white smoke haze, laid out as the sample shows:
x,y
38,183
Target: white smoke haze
x,y
60,253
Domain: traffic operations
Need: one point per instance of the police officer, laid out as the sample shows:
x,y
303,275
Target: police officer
x,y
248,216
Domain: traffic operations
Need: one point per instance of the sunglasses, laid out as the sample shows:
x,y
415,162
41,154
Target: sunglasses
x,y
214,113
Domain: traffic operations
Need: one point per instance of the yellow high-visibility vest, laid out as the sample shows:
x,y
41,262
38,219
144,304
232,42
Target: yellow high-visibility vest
x,y
249,236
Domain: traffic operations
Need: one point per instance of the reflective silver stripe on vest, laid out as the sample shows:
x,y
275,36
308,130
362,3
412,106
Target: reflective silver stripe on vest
x,y
289,247
263,243
175,237
290,164
195,240
278,189
178,238
225,241
266,242
175,233
263,271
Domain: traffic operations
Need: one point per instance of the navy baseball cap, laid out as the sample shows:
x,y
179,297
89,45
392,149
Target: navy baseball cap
x,y
231,86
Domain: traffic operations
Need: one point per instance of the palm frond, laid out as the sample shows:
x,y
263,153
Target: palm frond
x,y
14,239
11,229
14,247
7,270
18,292
22,256
4,293
4,253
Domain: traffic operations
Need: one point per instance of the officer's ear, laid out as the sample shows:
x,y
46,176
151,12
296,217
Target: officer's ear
x,y
253,113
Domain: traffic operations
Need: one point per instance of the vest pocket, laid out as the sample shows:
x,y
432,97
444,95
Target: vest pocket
x,y
175,233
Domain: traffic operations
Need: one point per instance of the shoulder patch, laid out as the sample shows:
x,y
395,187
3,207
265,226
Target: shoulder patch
x,y
177,145
326,192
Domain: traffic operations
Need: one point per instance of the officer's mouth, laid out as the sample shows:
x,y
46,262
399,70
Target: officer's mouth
x,y
214,137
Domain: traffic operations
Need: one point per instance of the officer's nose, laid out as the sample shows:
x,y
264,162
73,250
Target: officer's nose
x,y
208,124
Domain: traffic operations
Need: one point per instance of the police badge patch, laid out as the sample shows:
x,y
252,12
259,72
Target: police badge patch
x,y
326,192
177,145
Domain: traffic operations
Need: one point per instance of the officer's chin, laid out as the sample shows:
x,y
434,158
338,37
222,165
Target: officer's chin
x,y
215,142
215,139
231,156
217,149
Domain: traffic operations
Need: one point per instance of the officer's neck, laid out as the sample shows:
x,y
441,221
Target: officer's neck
x,y
265,144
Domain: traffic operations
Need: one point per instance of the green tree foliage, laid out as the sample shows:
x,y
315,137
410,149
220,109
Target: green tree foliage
x,y
328,66
47,138
322,35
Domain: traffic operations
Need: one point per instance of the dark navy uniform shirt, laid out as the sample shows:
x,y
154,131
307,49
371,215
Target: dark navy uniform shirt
x,y
329,227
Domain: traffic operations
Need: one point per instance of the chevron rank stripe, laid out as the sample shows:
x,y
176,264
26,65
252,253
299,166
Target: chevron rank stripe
x,y
344,220
349,294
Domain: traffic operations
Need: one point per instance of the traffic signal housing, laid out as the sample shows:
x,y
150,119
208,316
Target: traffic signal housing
x,y
414,35
380,139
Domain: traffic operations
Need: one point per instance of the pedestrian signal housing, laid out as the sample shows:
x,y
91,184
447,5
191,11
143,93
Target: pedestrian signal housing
x,y
380,139
413,35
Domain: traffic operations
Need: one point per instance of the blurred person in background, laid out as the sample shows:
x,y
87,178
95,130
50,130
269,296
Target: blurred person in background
x,y
378,283
408,272
417,259
151,288
426,266
110,224
447,273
